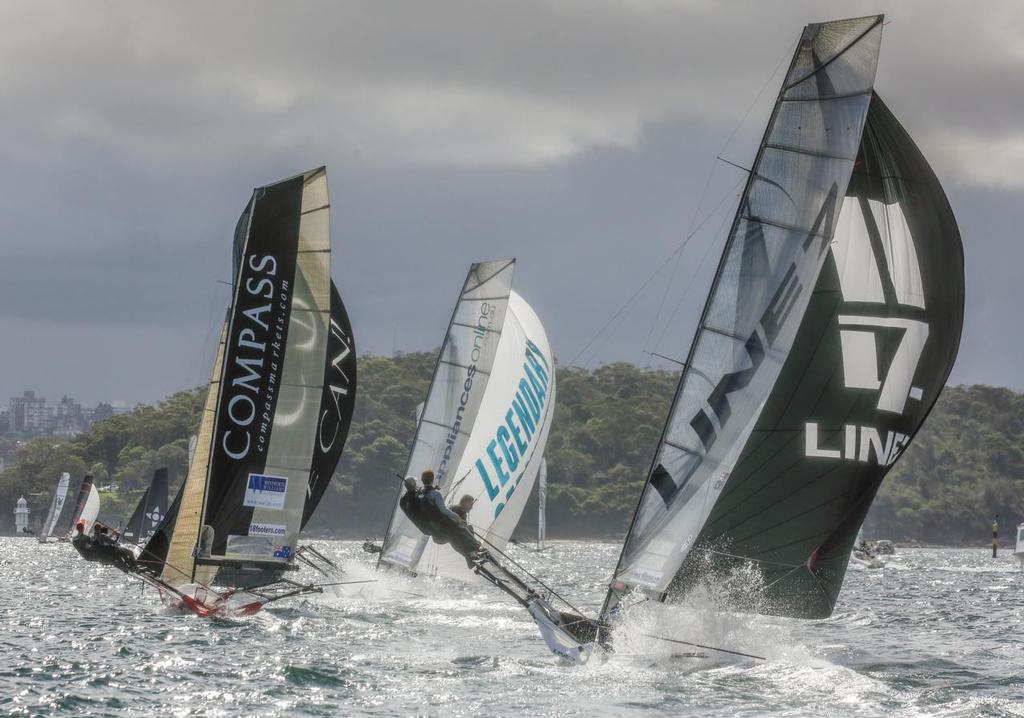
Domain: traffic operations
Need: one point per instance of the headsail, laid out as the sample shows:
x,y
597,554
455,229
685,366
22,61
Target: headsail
x,y
505,450
811,369
456,392
245,494
56,506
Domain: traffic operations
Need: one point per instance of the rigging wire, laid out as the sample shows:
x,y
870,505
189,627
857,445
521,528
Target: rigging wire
x,y
675,257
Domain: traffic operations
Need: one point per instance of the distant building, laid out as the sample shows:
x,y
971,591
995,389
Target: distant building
x,y
102,411
29,413
69,417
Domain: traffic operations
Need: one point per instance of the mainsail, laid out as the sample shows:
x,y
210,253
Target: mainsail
x,y
455,395
832,324
245,495
505,450
56,506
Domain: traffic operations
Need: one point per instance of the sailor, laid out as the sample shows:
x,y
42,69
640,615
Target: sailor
x,y
102,547
426,509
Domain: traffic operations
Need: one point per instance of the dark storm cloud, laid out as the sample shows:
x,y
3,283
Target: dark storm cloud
x,y
575,135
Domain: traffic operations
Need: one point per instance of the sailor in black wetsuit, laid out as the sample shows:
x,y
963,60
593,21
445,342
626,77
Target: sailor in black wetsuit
x,y
426,509
103,548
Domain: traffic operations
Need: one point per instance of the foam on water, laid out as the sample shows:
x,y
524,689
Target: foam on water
x,y
934,633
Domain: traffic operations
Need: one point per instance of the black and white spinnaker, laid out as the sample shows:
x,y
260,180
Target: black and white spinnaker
x,y
831,326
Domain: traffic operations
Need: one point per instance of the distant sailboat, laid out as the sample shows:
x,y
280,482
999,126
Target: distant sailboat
x,y
87,508
831,326
50,531
150,510
277,413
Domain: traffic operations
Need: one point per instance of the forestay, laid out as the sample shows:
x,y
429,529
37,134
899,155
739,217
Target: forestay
x,y
461,376
811,369
505,450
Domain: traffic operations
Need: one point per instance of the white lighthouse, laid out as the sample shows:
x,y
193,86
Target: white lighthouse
x,y
21,513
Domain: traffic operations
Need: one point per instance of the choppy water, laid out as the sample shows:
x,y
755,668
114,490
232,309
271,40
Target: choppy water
x,y
936,632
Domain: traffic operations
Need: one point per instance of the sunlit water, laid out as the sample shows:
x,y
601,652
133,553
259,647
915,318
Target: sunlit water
x,y
936,632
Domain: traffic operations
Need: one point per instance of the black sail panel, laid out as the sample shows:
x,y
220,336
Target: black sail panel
x,y
873,352
155,506
336,404
249,388
133,529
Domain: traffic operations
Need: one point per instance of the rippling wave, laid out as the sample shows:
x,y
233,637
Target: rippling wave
x,y
936,632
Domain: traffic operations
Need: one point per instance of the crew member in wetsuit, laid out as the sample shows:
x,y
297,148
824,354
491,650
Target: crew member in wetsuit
x,y
426,509
102,547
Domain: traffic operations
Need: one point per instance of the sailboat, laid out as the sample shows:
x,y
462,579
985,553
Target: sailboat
x,y
49,531
830,329
86,509
276,417
485,420
149,512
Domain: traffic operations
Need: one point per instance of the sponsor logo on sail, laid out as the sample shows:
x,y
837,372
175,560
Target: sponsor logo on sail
x,y
254,357
262,529
482,336
266,492
884,274
508,452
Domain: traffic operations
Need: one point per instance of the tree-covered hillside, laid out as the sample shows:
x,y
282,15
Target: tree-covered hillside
x,y
966,464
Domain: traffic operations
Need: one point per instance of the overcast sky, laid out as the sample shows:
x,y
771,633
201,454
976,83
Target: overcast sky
x,y
578,137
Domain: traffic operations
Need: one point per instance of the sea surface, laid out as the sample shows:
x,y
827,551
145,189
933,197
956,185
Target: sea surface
x,y
936,632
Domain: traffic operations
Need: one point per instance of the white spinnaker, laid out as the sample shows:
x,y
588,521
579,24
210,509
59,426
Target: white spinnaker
x,y
455,394
524,365
57,505
90,511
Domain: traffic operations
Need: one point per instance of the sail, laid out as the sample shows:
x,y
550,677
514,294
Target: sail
x,y
505,450
84,492
245,494
150,510
542,502
133,529
873,351
56,506
155,507
456,392
337,402
64,521
721,418
90,509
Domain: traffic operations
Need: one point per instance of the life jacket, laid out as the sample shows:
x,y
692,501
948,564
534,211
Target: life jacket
x,y
412,506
